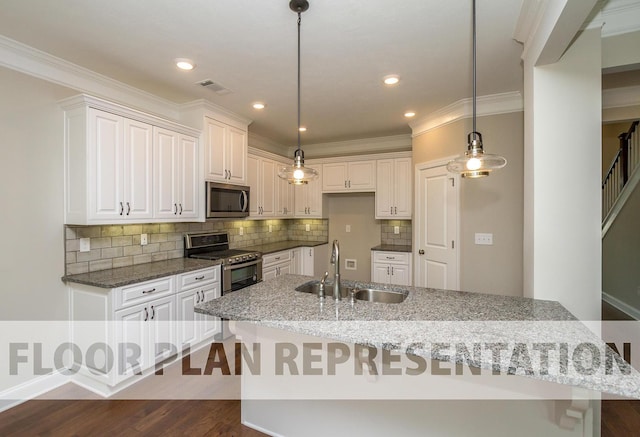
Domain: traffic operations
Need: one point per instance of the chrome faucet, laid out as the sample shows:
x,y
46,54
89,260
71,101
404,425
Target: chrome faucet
x,y
335,260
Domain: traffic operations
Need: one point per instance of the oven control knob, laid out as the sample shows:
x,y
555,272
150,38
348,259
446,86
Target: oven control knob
x,y
231,260
244,258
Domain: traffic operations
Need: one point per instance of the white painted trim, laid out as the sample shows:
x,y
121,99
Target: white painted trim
x,y
617,17
621,97
260,428
620,305
267,154
263,143
373,156
216,112
624,195
20,57
31,389
364,145
416,218
493,104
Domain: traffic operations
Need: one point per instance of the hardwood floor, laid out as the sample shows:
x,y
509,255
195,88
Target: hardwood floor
x,y
620,418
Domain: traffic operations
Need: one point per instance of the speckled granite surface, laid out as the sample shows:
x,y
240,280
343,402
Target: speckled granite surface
x,y
284,245
392,248
113,278
428,316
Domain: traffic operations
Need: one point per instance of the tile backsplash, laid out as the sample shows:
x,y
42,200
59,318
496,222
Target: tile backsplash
x,y
119,245
387,235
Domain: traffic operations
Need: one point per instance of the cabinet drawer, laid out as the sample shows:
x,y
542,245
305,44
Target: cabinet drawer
x,y
277,257
391,257
143,292
186,280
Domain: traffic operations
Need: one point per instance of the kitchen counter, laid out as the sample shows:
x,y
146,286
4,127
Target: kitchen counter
x,y
114,278
284,245
426,317
392,248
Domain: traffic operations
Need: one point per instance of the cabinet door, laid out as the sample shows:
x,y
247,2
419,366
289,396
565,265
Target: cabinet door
x,y
362,176
385,188
106,172
132,340
209,325
189,190
402,188
166,174
301,197
253,180
268,187
400,275
215,147
308,257
285,268
162,339
138,165
314,196
269,272
335,177
285,198
296,261
381,273
186,327
237,155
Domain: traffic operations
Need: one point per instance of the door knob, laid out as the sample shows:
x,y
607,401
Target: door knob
x,y
421,252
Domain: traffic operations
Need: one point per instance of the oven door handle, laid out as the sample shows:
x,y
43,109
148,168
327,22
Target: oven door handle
x,y
239,266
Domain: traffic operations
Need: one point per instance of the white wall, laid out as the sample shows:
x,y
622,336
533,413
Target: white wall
x,y
31,177
562,256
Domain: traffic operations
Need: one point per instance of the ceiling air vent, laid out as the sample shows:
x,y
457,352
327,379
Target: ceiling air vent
x,y
214,86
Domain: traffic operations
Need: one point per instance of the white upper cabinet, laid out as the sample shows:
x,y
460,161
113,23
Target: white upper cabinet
x,y
111,164
262,182
394,188
355,176
225,153
285,204
175,175
308,197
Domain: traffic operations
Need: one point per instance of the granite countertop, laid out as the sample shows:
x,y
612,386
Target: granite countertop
x,y
392,248
114,278
429,316
284,245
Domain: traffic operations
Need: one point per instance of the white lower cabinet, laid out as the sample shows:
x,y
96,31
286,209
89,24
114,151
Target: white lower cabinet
x,y
141,324
276,264
392,268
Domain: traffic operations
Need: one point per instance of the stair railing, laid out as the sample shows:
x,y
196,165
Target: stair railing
x,y
622,166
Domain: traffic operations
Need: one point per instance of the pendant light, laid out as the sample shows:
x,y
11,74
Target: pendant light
x,y
297,173
475,163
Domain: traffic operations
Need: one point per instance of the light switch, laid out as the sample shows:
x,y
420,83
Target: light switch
x,y
143,240
396,230
307,227
240,230
348,228
484,239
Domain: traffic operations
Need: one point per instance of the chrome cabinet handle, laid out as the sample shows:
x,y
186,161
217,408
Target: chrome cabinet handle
x,y
128,208
199,278
180,208
121,208
391,271
395,208
175,209
148,291
146,314
197,297
421,252
229,174
202,291
153,312
387,270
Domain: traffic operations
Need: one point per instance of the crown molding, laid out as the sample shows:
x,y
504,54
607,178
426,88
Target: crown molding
x,y
205,108
621,97
263,143
356,147
493,104
617,17
25,59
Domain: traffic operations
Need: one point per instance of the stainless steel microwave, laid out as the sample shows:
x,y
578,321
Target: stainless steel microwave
x,y
226,200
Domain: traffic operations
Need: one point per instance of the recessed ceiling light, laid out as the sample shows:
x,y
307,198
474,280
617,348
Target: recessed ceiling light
x,y
409,114
302,129
392,79
185,64
259,105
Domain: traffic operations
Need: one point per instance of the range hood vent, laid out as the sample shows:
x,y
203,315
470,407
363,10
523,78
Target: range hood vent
x,y
214,86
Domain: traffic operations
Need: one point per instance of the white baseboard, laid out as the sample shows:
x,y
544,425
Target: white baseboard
x,y
622,306
31,389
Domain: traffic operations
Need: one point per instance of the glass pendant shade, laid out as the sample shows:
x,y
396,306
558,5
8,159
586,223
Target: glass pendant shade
x,y
298,174
475,163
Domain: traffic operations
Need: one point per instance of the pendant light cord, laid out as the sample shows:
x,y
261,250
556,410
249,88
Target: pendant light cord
x,y
474,68
299,21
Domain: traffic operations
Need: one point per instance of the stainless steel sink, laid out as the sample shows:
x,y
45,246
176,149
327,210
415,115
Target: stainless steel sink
x,y
366,294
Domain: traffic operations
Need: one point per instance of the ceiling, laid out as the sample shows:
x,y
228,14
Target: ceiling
x,y
249,47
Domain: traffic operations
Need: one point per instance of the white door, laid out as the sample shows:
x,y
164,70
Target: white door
x,y
437,228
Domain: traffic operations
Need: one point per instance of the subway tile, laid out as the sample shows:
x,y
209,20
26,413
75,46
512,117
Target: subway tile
x,y
159,256
112,231
142,259
72,245
157,238
132,230
167,245
132,250
151,228
167,227
135,240
77,268
70,233
181,227
175,236
101,264
124,261
122,241
175,254
100,243
92,255
151,248
195,227
88,231
112,252
70,257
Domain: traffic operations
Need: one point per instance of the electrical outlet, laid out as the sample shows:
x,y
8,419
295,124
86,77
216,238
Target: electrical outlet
x,y
350,264
348,228
270,228
240,230
143,240
396,230
307,227
484,239
85,244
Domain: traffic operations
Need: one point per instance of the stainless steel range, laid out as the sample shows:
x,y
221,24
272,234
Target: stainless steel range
x,y
240,268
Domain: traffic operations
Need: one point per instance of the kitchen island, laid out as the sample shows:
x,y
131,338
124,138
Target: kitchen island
x,y
439,326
